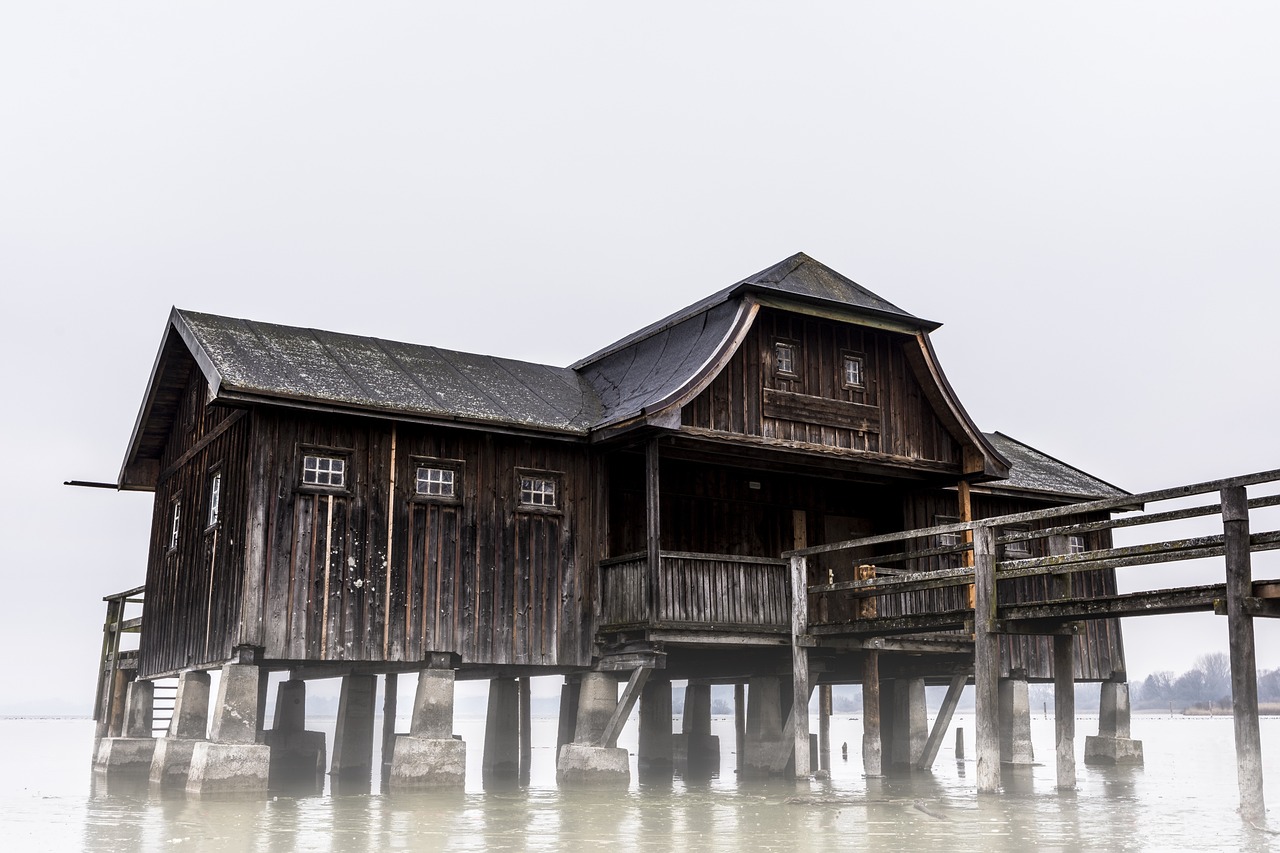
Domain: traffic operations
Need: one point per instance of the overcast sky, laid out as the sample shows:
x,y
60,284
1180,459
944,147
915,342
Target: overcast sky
x,y
1086,195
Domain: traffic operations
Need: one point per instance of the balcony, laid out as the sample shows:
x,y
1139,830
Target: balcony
x,y
696,592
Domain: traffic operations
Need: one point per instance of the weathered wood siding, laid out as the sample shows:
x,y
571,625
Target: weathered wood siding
x,y
479,576
193,590
888,415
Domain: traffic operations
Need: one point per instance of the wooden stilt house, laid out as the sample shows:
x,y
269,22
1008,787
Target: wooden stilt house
x,y
342,503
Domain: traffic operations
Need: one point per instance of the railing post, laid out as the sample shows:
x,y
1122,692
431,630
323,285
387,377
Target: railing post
x,y
1244,671
800,662
986,663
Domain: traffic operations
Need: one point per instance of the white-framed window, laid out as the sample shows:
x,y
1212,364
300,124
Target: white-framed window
x,y
785,356
947,540
176,525
215,497
431,481
1076,544
539,491
853,373
324,471
1021,549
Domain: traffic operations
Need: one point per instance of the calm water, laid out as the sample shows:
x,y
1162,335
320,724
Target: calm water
x,y
1183,799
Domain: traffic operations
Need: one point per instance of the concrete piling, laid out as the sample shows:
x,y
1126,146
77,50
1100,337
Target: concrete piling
x,y
352,764
1113,744
131,753
297,755
587,760
501,760
764,724
429,756
1015,722
232,760
655,758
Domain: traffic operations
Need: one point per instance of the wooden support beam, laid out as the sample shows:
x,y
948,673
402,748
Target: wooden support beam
x,y
609,737
800,664
943,721
740,723
653,528
824,727
986,661
1244,670
525,710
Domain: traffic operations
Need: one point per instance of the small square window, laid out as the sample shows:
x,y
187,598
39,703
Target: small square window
x,y
1020,549
947,540
435,482
215,497
175,526
784,358
1076,544
324,471
853,371
538,491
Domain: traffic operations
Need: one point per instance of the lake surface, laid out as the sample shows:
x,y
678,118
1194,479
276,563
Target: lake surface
x,y
1185,798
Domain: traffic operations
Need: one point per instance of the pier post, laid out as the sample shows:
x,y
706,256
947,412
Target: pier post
x,y
232,760
568,719
910,728
297,755
700,748
1064,682
1015,721
525,701
654,758
189,724
390,698
430,756
739,725
764,724
872,748
352,765
1112,745
501,759
131,753
1244,669
584,761
986,663
824,728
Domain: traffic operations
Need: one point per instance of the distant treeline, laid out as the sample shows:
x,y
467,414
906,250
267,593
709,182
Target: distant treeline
x,y
1206,684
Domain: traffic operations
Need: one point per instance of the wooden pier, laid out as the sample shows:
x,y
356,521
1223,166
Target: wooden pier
x,y
1061,616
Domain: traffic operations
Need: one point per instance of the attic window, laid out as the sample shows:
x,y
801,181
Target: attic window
x,y
785,356
539,491
324,471
853,374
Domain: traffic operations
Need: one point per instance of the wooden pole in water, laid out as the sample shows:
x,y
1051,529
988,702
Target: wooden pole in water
x,y
824,727
872,749
740,723
986,663
1064,683
1244,670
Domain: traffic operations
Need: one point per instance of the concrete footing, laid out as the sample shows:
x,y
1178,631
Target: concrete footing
x,y
655,754
429,756
1113,744
232,760
908,722
501,758
131,753
171,763
585,762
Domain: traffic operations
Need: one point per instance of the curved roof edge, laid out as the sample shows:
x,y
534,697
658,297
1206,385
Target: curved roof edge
x,y
799,278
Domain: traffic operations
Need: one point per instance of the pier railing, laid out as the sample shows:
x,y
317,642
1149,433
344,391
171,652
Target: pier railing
x,y
692,591
124,616
992,550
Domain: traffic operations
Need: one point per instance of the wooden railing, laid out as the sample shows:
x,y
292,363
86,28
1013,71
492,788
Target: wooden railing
x,y
1231,591
114,662
696,591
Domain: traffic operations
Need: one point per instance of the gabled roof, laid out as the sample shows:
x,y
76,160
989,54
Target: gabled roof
x,y
642,379
1034,471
